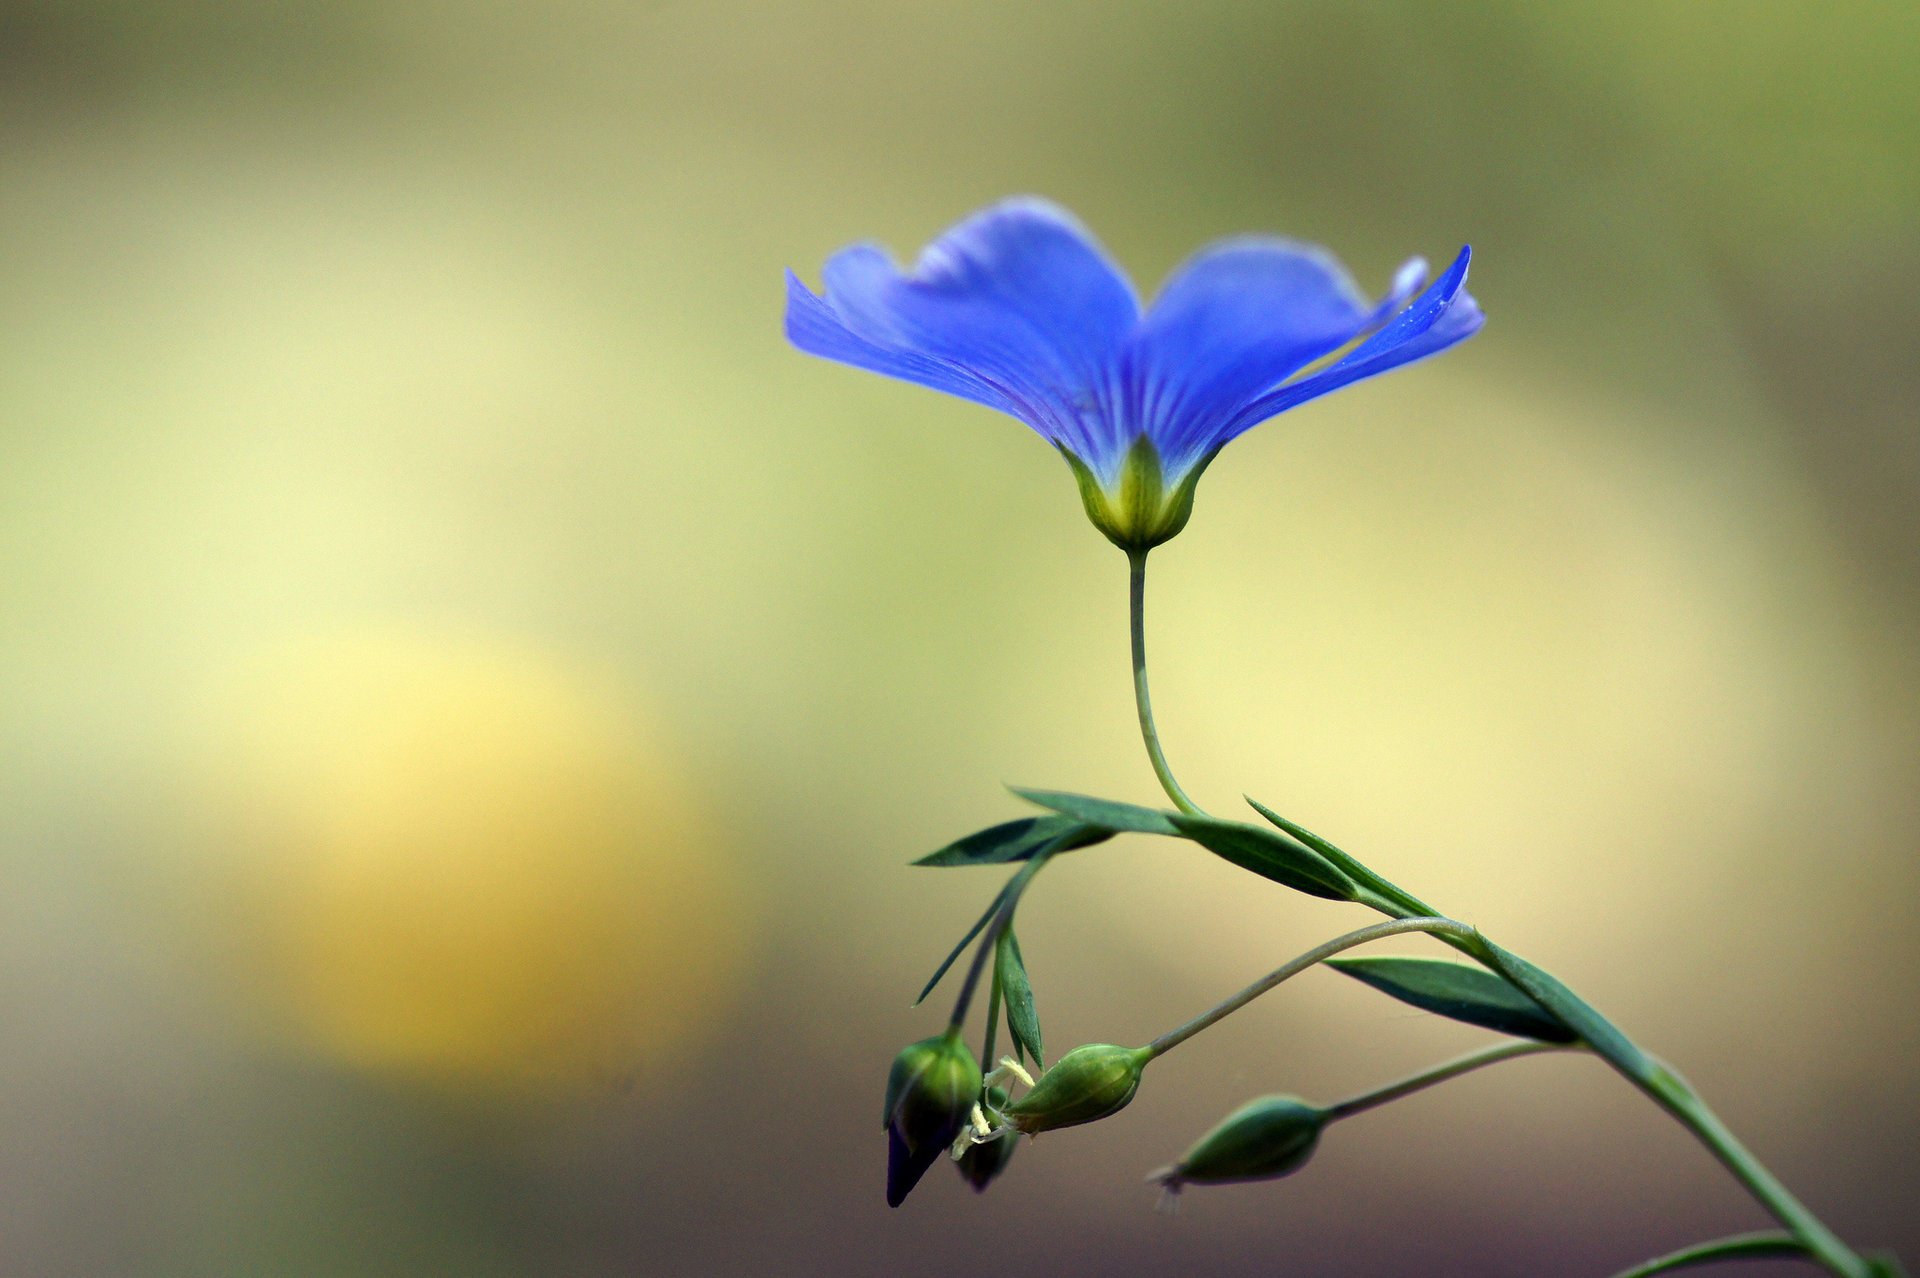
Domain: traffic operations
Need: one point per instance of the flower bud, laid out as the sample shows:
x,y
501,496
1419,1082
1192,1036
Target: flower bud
x,y
1084,1086
1262,1140
931,1092
980,1164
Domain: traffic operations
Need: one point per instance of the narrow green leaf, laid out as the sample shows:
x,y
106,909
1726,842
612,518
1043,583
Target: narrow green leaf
x,y
1271,856
1014,841
1738,1247
1104,814
1575,1013
1469,994
1022,1021
959,949
1344,862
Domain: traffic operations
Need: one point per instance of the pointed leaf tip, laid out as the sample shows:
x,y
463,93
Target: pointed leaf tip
x,y
1016,840
1102,814
1459,992
1023,1022
1273,856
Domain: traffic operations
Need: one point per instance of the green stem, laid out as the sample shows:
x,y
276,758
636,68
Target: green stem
x,y
1673,1094
1286,972
990,935
1660,1084
1440,1074
993,1016
1137,610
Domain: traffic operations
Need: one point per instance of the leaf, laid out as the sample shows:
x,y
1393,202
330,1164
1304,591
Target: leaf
x,y
1022,1021
1271,856
1104,814
1738,1247
1344,862
972,932
1456,990
1577,1015
1013,841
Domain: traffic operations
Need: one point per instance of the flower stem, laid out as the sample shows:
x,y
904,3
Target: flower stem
x,y
1137,600
1605,1039
1440,1074
1822,1244
1320,953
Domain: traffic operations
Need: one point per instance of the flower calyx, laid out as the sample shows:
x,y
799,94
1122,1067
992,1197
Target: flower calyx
x,y
1087,1084
932,1090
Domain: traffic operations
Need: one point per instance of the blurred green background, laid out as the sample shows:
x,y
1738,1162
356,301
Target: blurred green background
x,y
468,691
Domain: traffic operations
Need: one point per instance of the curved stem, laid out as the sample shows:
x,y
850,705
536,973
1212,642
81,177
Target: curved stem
x,y
1137,609
1660,1084
1440,1074
1319,954
1673,1094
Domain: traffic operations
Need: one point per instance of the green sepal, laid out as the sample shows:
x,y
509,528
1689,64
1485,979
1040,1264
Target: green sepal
x,y
1144,512
1264,1139
1014,841
1089,1083
932,1064
1270,855
1023,1022
1103,814
1738,1247
978,927
1460,992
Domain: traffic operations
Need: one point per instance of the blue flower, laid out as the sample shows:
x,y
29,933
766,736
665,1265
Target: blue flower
x,y
1018,308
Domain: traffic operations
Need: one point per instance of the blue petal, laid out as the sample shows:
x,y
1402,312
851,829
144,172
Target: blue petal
x,y
1408,280
1018,300
1440,317
814,327
1237,319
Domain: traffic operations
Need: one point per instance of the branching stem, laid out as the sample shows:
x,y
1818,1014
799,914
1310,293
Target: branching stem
x,y
1660,1084
1287,971
1440,1074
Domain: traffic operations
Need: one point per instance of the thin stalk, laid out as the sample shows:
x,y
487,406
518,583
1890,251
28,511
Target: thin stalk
x,y
988,1043
1440,1074
1009,901
1660,1084
1137,610
1673,1094
1319,954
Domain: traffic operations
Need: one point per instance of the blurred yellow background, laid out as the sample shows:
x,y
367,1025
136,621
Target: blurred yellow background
x,y
468,691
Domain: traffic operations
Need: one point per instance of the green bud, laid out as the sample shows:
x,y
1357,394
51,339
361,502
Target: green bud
x,y
931,1092
1264,1139
1140,511
979,1164
1084,1086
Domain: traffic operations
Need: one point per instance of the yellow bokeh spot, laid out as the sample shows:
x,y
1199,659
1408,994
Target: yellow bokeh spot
x,y
462,861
